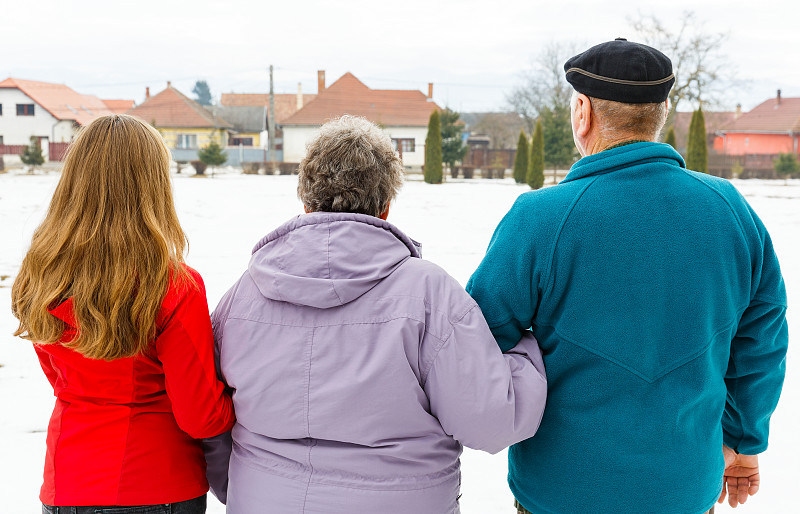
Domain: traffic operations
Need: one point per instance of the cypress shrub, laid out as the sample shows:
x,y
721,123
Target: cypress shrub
x,y
535,176
521,159
697,149
670,139
433,150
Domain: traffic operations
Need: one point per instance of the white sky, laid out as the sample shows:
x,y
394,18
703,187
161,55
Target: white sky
x,y
473,51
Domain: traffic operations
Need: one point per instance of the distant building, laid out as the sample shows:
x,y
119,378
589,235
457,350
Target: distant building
x,y
185,124
772,127
403,114
249,124
52,113
714,120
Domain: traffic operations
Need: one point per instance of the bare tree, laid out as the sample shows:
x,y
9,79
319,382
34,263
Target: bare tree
x,y
501,127
702,71
544,85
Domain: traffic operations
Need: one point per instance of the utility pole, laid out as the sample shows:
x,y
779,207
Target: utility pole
x,y
271,121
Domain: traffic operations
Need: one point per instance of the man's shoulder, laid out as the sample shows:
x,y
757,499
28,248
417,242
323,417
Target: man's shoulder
x,y
542,208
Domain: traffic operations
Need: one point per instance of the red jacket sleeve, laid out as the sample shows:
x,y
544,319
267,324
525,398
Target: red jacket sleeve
x,y
47,365
185,347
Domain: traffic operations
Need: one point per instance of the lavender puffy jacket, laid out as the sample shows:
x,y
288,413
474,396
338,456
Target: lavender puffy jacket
x,y
358,370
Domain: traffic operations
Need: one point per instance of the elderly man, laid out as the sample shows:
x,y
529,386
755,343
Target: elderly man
x,y
658,302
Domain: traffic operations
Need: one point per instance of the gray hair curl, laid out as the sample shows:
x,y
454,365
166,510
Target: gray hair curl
x,y
350,166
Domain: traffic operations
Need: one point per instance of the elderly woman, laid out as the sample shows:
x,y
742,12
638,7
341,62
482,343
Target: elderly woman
x,y
358,369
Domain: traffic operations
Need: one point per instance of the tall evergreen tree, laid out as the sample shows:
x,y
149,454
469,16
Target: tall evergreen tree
x,y
202,93
433,150
536,163
697,149
453,147
670,139
521,159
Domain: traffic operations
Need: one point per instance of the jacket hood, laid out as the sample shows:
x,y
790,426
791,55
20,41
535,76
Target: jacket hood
x,y
327,259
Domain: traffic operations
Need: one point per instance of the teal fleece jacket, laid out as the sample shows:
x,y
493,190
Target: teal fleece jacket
x,y
658,302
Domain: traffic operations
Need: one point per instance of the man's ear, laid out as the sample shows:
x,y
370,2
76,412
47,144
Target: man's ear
x,y
583,115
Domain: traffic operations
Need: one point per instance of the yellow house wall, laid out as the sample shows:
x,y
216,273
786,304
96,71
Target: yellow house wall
x,y
204,135
255,135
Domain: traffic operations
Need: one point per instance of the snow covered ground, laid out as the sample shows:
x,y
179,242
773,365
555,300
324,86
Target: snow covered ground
x,y
225,216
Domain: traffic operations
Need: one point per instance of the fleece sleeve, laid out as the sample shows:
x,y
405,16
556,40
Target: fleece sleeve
x,y
185,347
757,363
486,400
506,285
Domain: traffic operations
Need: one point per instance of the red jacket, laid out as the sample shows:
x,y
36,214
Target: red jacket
x,y
125,432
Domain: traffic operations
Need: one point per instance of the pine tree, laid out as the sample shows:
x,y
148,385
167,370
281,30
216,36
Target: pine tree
x,y
670,139
559,147
212,154
202,93
32,154
786,164
521,159
433,150
453,147
696,149
536,162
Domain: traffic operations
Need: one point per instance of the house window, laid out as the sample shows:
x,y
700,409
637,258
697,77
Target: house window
x,y
1,140
404,145
24,109
244,141
187,141
1,109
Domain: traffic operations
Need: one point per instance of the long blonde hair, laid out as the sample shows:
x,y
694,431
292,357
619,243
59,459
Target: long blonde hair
x,y
111,241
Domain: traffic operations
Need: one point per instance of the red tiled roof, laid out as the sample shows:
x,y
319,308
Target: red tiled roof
x,y
348,95
59,100
171,108
714,120
119,106
769,116
285,104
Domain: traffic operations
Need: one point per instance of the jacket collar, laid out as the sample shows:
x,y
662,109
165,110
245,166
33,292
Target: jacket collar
x,y
621,157
316,218
64,311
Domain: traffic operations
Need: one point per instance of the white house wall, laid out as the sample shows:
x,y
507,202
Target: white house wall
x,y
416,158
17,130
295,139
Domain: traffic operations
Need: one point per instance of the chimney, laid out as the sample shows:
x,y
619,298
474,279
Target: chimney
x,y
430,90
779,97
299,96
169,83
147,92
738,112
320,81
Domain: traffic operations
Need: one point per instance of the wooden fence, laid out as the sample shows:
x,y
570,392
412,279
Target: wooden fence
x,y
742,166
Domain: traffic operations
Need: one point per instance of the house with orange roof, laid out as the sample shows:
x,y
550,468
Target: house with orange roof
x,y
185,124
771,128
240,107
403,114
52,113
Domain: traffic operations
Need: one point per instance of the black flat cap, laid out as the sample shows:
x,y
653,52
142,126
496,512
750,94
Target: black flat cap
x,y
621,71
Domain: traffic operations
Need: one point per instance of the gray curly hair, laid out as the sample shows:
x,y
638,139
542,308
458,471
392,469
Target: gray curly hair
x,y
350,166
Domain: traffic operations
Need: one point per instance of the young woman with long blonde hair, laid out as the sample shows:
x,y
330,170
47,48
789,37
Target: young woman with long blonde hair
x,y
121,327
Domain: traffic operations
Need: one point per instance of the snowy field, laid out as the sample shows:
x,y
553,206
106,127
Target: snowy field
x,y
225,216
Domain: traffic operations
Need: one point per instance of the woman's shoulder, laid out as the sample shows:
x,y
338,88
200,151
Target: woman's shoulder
x,y
186,283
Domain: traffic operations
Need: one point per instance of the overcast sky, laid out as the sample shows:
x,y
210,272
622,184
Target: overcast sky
x,y
473,51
